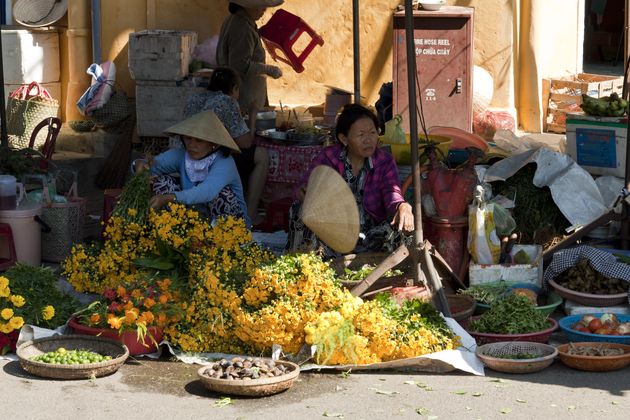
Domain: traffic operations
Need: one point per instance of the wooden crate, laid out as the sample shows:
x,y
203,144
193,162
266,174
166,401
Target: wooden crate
x,y
564,95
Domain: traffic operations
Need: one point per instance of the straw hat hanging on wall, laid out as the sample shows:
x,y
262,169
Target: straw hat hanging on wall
x,y
36,13
330,210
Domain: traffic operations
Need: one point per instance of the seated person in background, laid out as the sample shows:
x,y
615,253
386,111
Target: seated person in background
x,y
371,174
208,179
253,162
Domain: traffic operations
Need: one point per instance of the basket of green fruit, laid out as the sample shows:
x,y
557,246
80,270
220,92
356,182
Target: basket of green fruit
x,y
72,356
516,356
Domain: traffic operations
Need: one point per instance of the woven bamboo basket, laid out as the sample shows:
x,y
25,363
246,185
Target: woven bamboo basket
x,y
493,355
254,387
106,347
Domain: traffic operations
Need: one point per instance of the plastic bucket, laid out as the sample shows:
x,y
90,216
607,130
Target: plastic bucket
x,y
449,235
27,231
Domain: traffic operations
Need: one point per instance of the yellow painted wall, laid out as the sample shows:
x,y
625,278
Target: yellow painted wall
x,y
518,41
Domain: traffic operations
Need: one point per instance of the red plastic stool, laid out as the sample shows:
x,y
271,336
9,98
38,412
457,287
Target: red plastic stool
x,y
7,232
282,31
276,216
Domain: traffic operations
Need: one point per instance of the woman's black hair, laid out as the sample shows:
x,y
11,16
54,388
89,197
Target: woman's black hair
x,y
349,115
233,7
224,79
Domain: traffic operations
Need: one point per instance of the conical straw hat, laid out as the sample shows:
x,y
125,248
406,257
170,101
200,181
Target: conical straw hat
x,y
37,13
205,126
330,210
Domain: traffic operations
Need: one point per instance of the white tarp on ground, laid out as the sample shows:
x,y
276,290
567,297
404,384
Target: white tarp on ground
x,y
463,358
573,189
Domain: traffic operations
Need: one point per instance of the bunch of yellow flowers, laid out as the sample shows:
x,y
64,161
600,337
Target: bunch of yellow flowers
x,y
11,316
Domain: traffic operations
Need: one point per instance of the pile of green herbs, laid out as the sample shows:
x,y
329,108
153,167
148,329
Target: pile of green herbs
x,y
538,219
365,270
486,293
513,314
133,205
428,318
39,287
517,356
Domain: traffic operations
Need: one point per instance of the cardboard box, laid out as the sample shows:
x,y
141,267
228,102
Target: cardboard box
x,y
513,273
598,144
160,54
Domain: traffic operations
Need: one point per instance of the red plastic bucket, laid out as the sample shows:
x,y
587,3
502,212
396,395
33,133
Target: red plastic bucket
x,y
449,235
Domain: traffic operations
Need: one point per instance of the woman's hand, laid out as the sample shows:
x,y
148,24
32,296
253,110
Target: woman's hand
x,y
159,201
403,219
140,165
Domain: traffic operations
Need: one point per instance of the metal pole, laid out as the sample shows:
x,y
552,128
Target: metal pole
x,y
356,51
413,120
4,137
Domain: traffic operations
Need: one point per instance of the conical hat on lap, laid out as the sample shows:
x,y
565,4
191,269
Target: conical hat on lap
x,y
330,210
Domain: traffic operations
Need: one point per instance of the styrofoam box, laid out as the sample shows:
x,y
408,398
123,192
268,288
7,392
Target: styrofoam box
x,y
54,88
520,273
30,56
160,54
572,308
598,144
160,105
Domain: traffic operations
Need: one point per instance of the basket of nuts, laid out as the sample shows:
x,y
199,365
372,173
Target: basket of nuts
x,y
249,376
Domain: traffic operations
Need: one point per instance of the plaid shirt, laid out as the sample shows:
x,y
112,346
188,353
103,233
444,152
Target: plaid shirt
x,y
381,188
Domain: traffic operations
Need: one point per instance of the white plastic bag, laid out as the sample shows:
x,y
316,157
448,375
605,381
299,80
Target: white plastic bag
x,y
483,242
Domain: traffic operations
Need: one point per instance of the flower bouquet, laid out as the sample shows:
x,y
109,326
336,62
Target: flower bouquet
x,y
28,295
135,315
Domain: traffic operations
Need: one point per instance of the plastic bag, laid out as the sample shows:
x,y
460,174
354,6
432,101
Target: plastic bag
x,y
487,123
207,50
483,242
102,88
394,133
503,220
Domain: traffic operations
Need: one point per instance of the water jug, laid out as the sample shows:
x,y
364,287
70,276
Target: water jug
x,y
9,196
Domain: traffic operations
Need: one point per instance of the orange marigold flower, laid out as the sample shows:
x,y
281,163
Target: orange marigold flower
x,y
115,323
95,318
149,302
163,299
130,316
121,292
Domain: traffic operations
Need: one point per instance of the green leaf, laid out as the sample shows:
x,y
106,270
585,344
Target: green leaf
x,y
381,392
222,402
499,380
477,394
409,382
571,407
505,410
432,417
459,392
327,414
615,402
518,400
154,263
346,374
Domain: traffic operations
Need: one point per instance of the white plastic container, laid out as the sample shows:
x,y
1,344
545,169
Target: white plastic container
x,y
160,54
518,273
30,56
27,232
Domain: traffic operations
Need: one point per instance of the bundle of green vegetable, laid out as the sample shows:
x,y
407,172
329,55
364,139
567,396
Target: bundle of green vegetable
x,y
133,204
486,293
513,314
364,271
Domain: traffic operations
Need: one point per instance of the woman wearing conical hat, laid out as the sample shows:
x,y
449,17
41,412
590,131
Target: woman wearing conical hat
x,y
372,176
208,179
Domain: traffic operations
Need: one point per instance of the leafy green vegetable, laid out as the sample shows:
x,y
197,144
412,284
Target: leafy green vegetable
x,y
512,315
135,196
517,356
487,293
364,271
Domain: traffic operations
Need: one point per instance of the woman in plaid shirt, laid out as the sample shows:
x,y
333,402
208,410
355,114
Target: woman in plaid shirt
x,y
371,174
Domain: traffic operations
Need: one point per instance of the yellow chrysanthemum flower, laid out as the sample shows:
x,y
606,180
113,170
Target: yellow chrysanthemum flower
x,y
7,313
16,322
4,282
17,301
48,312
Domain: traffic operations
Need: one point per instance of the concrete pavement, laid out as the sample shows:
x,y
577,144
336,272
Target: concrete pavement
x,y
146,389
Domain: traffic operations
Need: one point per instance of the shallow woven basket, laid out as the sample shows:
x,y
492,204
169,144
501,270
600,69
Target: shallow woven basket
x,y
106,347
595,363
488,353
589,299
462,307
255,387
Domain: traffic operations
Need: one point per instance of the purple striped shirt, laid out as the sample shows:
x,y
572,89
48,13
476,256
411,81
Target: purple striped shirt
x,y
381,191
